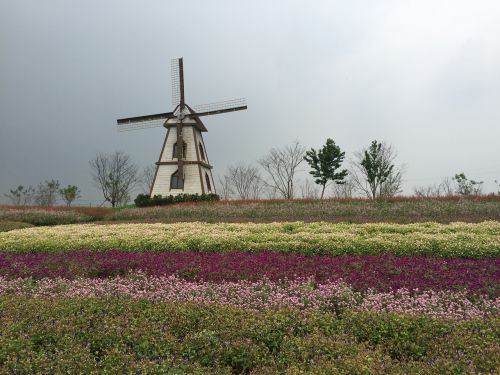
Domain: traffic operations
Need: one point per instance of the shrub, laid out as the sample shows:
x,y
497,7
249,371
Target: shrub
x,y
87,335
42,217
144,200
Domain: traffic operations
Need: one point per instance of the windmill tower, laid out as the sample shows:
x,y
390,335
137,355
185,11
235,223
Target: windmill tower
x,y
183,166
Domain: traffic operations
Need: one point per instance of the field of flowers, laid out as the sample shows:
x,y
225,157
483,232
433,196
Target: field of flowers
x,y
250,298
448,240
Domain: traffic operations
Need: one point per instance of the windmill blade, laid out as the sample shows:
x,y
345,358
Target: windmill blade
x,y
177,77
221,107
143,122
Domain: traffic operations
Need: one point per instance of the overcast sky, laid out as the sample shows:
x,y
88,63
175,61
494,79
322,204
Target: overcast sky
x,y
421,75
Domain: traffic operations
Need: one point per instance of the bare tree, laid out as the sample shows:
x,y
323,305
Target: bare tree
x,y
21,196
224,187
309,190
427,191
246,181
373,171
346,190
446,187
281,165
270,192
116,175
393,184
147,177
46,193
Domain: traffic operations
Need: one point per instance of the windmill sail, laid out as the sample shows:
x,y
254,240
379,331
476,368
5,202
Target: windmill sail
x,y
143,122
221,107
177,76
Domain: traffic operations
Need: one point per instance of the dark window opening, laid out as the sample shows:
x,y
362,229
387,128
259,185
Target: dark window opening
x,y
184,148
209,187
202,154
176,182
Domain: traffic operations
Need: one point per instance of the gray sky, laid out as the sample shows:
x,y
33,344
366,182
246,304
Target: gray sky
x,y
421,75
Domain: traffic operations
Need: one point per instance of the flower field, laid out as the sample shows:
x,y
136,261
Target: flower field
x,y
382,273
448,240
250,298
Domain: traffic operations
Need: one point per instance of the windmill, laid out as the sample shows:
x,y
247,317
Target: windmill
x,y
183,166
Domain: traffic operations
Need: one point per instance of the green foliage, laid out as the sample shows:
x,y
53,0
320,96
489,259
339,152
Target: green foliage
x,y
5,226
376,166
69,194
144,200
124,336
325,163
466,186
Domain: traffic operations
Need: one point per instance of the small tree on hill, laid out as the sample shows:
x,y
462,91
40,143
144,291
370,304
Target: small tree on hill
x,y
374,172
466,186
280,165
245,181
46,193
69,194
147,178
115,175
21,195
325,164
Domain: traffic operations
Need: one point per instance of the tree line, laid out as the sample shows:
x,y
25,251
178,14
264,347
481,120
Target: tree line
x,y
371,172
45,194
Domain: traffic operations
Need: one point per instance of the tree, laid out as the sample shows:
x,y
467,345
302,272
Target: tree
x,y
69,194
466,186
115,175
426,191
308,190
245,181
444,189
280,164
46,193
498,185
325,163
374,172
21,195
147,177
345,190
225,189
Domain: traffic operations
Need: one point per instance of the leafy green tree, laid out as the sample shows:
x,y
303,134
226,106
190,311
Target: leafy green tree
x,y
69,194
325,164
466,186
377,167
